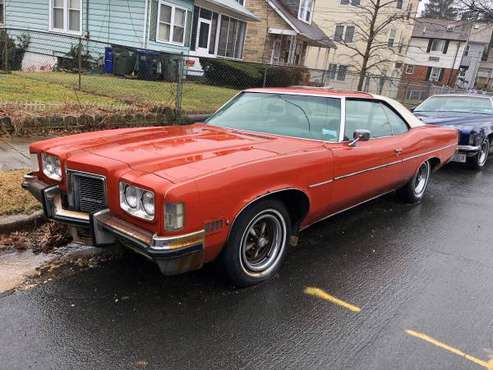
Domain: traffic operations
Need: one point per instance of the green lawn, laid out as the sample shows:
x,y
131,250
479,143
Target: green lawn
x,y
197,98
16,88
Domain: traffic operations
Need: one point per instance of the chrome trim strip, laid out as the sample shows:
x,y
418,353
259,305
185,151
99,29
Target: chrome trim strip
x,y
346,209
162,243
392,163
367,170
320,183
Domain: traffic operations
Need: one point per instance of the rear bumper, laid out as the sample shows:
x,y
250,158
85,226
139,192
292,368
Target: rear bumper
x,y
174,255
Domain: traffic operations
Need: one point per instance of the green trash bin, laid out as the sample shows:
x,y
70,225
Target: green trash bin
x,y
124,61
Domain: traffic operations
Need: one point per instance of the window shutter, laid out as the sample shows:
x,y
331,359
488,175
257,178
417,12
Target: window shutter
x,y
428,74
445,48
153,20
429,45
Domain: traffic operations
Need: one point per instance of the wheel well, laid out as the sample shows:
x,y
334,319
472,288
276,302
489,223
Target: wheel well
x,y
490,136
435,163
296,202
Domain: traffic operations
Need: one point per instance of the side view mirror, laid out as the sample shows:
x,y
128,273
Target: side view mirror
x,y
360,135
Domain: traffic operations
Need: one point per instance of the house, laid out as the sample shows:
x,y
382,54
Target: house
x,y
2,13
484,78
344,21
475,53
285,31
212,27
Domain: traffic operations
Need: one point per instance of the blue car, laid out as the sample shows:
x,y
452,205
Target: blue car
x,y
472,115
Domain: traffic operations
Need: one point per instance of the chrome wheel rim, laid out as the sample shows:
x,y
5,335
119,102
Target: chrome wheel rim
x,y
485,151
421,180
263,243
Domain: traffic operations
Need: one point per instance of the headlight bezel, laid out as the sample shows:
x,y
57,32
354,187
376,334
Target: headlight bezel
x,y
51,166
139,210
35,167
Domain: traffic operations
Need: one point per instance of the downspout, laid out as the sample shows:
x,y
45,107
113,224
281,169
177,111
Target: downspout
x,y
453,63
88,35
146,15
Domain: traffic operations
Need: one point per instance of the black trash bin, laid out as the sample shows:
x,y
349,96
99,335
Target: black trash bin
x,y
149,65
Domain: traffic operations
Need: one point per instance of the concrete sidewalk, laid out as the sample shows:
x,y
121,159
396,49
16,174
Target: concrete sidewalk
x,y
14,152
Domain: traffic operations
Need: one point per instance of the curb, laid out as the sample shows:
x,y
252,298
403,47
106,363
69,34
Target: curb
x,y
12,223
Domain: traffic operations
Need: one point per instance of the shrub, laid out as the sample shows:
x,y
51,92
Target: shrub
x,y
70,62
240,75
15,50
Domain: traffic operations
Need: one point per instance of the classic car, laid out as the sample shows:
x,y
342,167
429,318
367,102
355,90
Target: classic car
x,y
241,186
472,115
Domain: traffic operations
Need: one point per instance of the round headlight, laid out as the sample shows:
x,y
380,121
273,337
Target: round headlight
x,y
131,196
148,203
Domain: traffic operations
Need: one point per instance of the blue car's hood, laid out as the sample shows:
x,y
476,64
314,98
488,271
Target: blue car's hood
x,y
466,121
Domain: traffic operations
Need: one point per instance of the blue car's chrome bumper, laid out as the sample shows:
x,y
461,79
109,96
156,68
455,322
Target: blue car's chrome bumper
x,y
469,148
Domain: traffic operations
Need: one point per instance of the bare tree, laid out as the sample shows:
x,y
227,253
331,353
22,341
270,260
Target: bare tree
x,y
478,9
372,47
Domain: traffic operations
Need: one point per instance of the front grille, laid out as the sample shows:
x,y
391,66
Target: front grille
x,y
87,192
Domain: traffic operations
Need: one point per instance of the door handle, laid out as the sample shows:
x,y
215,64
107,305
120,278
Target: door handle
x,y
398,151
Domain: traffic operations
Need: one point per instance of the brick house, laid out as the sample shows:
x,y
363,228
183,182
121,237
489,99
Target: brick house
x,y
284,32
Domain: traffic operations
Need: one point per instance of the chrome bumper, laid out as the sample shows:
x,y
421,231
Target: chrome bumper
x,y
174,255
469,148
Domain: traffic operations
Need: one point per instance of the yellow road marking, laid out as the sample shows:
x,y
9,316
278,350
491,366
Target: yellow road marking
x,y
446,347
316,292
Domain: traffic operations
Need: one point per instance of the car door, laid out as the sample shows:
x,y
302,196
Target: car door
x,y
368,168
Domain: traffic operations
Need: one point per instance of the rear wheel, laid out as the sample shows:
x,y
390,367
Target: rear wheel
x,y
478,161
257,244
415,189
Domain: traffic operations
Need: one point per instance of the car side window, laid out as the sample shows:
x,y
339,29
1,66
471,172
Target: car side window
x,y
399,126
366,115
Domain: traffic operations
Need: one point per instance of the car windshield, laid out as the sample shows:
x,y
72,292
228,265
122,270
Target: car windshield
x,y
302,116
459,104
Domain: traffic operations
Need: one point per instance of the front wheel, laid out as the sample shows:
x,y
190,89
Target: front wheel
x,y
415,189
257,243
479,160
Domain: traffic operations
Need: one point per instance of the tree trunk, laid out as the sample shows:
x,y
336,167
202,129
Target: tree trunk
x,y
369,45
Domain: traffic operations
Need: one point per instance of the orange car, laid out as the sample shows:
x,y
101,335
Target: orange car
x,y
242,185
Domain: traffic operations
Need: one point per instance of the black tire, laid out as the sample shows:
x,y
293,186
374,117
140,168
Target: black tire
x,y
271,226
478,161
415,189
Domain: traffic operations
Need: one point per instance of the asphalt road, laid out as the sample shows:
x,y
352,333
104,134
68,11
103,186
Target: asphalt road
x,y
415,284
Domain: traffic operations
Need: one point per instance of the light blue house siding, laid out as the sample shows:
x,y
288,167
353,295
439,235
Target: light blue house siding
x,y
106,22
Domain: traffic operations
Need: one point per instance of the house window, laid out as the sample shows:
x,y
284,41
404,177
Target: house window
x,y
466,50
437,45
337,71
391,40
409,69
65,16
241,2
231,37
344,33
463,71
350,2
2,12
305,11
171,23
399,4
436,74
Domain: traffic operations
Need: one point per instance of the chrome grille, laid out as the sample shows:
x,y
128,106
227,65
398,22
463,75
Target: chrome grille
x,y
87,192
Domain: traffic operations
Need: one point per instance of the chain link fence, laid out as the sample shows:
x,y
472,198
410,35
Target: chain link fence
x,y
58,72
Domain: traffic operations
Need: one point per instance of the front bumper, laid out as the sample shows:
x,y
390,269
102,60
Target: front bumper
x,y
173,255
473,149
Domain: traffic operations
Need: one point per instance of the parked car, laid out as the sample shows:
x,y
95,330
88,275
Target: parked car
x,y
241,186
472,115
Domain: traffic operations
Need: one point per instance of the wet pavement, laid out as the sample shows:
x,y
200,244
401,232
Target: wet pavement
x,y
14,152
421,278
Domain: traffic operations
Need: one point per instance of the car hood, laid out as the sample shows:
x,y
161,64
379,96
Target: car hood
x,y
179,153
461,121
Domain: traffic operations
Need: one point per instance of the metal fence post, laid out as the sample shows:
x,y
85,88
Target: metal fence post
x,y
265,76
6,51
79,56
179,86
